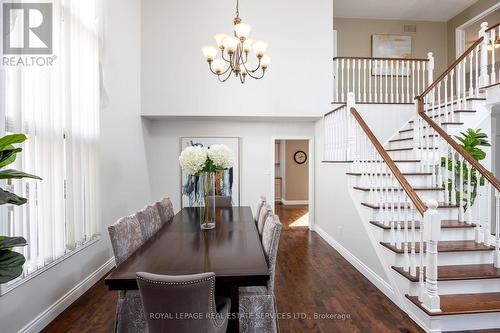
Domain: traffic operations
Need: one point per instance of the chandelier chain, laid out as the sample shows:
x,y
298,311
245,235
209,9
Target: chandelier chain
x,y
238,8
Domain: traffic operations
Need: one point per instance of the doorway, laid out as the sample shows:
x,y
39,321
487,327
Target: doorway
x,y
292,182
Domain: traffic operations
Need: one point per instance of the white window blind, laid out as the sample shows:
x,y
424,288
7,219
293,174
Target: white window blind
x,y
57,107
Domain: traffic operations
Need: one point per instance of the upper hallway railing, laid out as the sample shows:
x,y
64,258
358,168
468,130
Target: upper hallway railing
x,y
381,80
347,137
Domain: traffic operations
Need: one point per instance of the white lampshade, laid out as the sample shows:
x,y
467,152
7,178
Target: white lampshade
x,y
209,52
242,30
247,45
230,43
219,38
259,47
243,70
265,61
218,66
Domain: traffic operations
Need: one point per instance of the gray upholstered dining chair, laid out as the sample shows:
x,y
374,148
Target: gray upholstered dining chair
x,y
126,237
166,210
149,220
265,211
222,201
261,204
257,306
177,295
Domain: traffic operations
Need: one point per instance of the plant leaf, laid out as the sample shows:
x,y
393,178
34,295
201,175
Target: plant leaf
x,y
11,265
8,156
11,139
6,243
14,174
10,198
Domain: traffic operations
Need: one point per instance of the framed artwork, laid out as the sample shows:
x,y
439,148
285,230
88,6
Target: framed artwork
x,y
227,181
390,46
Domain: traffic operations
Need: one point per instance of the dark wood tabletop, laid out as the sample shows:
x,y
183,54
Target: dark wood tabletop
x,y
233,251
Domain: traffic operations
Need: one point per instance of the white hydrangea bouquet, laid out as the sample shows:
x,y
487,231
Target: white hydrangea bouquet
x,y
205,162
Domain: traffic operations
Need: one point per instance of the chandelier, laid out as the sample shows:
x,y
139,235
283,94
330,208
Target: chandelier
x,y
235,50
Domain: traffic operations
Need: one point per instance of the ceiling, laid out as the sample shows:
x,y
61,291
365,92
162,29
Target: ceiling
x,y
417,10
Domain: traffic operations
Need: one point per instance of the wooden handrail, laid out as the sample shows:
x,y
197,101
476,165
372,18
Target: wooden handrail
x,y
452,66
334,110
475,164
419,204
377,58
493,27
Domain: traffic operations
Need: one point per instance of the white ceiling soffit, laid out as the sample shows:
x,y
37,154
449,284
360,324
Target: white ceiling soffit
x,y
416,10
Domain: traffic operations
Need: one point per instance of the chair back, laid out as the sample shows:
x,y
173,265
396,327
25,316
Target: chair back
x,y
261,204
270,242
166,210
126,237
149,220
166,298
263,214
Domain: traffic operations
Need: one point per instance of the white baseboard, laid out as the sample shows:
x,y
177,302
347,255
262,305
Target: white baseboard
x,y
294,202
373,277
44,318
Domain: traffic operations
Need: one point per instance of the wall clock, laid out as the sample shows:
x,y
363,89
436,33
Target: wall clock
x,y
300,157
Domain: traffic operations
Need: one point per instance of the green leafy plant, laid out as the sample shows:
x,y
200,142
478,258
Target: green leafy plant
x,y
471,141
11,262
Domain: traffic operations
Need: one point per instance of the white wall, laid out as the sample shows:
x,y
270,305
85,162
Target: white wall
x,y
124,185
176,79
256,153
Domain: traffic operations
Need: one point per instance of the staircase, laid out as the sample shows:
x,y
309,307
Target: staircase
x,y
443,251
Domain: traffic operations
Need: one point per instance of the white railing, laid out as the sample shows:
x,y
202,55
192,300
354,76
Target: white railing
x,y
381,80
414,226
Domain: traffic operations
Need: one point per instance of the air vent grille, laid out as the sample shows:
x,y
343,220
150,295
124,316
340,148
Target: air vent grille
x,y
412,28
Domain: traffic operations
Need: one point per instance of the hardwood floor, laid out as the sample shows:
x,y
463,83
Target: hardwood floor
x,y
311,278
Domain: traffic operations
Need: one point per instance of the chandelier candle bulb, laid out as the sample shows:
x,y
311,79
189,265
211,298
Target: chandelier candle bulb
x,y
235,52
230,44
209,52
219,38
242,30
259,47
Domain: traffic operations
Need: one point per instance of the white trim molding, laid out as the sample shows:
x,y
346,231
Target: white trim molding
x,y
294,202
44,318
373,277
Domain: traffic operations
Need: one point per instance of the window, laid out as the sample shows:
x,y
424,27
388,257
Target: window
x,y
57,107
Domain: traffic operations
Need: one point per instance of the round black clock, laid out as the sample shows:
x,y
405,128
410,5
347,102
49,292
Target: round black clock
x,y
300,157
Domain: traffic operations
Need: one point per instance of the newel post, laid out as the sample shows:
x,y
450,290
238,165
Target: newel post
x,y
430,69
351,127
484,79
432,234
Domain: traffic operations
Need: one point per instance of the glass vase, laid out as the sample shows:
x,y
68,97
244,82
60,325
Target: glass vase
x,y
208,210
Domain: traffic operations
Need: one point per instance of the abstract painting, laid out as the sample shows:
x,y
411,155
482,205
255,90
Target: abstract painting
x,y
390,46
227,181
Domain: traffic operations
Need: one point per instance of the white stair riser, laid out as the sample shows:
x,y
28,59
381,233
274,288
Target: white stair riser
x,y
445,258
451,287
415,181
401,144
447,234
444,213
390,196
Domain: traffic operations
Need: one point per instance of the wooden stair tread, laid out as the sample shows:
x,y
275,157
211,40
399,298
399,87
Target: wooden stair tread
x,y
386,174
442,105
398,206
446,246
445,224
399,149
416,188
458,272
406,130
463,304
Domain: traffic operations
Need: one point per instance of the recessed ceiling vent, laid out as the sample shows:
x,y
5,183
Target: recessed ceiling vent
x,y
410,28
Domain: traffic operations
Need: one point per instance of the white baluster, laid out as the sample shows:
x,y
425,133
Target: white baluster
x,y
469,195
370,81
413,80
476,73
392,80
452,97
471,86
484,79
461,184
430,68
336,83
342,70
406,72
432,234
446,106
496,258
375,90
359,80
348,86
413,259
364,80
418,77
386,99
493,75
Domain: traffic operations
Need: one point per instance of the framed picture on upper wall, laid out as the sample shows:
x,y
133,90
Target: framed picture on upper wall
x,y
391,46
227,182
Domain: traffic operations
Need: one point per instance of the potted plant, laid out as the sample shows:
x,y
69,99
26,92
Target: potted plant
x,y
11,262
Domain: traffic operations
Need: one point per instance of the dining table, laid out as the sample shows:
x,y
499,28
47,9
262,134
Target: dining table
x,y
232,250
